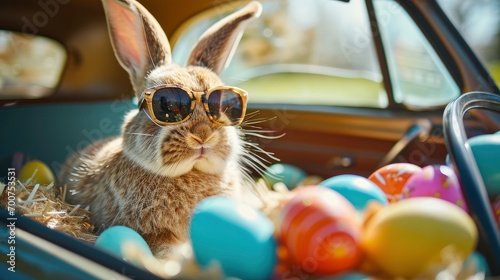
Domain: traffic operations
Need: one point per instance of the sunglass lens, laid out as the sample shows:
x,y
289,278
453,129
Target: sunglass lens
x,y
226,107
171,105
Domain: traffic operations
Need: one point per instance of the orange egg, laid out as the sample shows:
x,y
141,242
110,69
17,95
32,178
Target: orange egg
x,y
319,227
392,178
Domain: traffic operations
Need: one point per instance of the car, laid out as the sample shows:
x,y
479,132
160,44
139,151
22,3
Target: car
x,y
335,87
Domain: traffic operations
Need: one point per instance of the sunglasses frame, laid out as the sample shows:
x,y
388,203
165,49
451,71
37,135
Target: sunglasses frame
x,y
201,96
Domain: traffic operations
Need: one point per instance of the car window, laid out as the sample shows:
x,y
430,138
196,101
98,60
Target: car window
x,y
30,65
479,23
300,52
418,76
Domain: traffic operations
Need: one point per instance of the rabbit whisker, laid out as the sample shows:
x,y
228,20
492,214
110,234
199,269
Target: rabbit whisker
x,y
254,147
149,117
141,134
272,137
238,79
251,119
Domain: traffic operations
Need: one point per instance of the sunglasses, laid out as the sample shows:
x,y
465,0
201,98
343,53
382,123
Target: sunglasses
x,y
174,104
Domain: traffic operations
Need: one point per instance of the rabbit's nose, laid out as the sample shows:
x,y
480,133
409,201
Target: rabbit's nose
x,y
202,131
201,134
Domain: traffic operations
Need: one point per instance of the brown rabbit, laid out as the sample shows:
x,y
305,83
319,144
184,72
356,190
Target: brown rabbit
x,y
152,175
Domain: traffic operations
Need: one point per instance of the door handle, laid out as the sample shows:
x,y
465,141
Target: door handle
x,y
341,162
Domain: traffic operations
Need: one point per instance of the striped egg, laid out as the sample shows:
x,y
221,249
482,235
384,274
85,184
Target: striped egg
x,y
319,228
392,178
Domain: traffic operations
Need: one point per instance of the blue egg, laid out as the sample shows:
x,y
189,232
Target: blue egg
x,y
238,237
114,239
348,276
478,263
354,276
358,190
448,162
486,150
288,174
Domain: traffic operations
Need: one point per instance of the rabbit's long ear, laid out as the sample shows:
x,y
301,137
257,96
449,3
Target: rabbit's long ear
x,y
217,44
139,42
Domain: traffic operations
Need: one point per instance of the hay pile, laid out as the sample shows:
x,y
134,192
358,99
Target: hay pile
x,y
46,204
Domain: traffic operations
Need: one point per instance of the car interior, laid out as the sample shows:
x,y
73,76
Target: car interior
x,y
335,87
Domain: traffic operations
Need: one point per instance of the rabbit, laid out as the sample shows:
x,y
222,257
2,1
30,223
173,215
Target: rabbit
x,y
151,176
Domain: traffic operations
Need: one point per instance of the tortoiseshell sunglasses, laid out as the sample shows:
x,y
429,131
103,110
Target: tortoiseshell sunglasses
x,y
174,104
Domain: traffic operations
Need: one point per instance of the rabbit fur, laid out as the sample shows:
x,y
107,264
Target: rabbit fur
x,y
151,177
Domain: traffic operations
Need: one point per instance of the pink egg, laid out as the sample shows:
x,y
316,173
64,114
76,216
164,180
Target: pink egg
x,y
438,181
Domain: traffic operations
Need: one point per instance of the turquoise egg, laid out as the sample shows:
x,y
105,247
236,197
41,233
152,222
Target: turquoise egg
x,y
448,162
354,276
357,189
486,150
237,236
114,239
477,263
288,174
348,276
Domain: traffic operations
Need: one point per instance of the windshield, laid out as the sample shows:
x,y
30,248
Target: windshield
x,y
479,23
301,52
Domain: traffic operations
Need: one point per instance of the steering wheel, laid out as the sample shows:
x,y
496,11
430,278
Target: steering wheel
x,y
471,181
420,129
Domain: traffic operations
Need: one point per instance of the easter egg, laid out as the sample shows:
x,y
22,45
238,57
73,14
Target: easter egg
x,y
319,228
348,276
438,181
42,173
495,205
115,240
237,236
476,263
486,150
412,236
312,180
392,178
283,266
288,174
358,190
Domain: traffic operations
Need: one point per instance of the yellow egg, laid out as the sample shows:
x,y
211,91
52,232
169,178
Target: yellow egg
x,y
413,236
43,174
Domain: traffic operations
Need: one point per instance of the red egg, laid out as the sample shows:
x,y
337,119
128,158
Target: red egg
x,y
392,178
320,230
495,204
